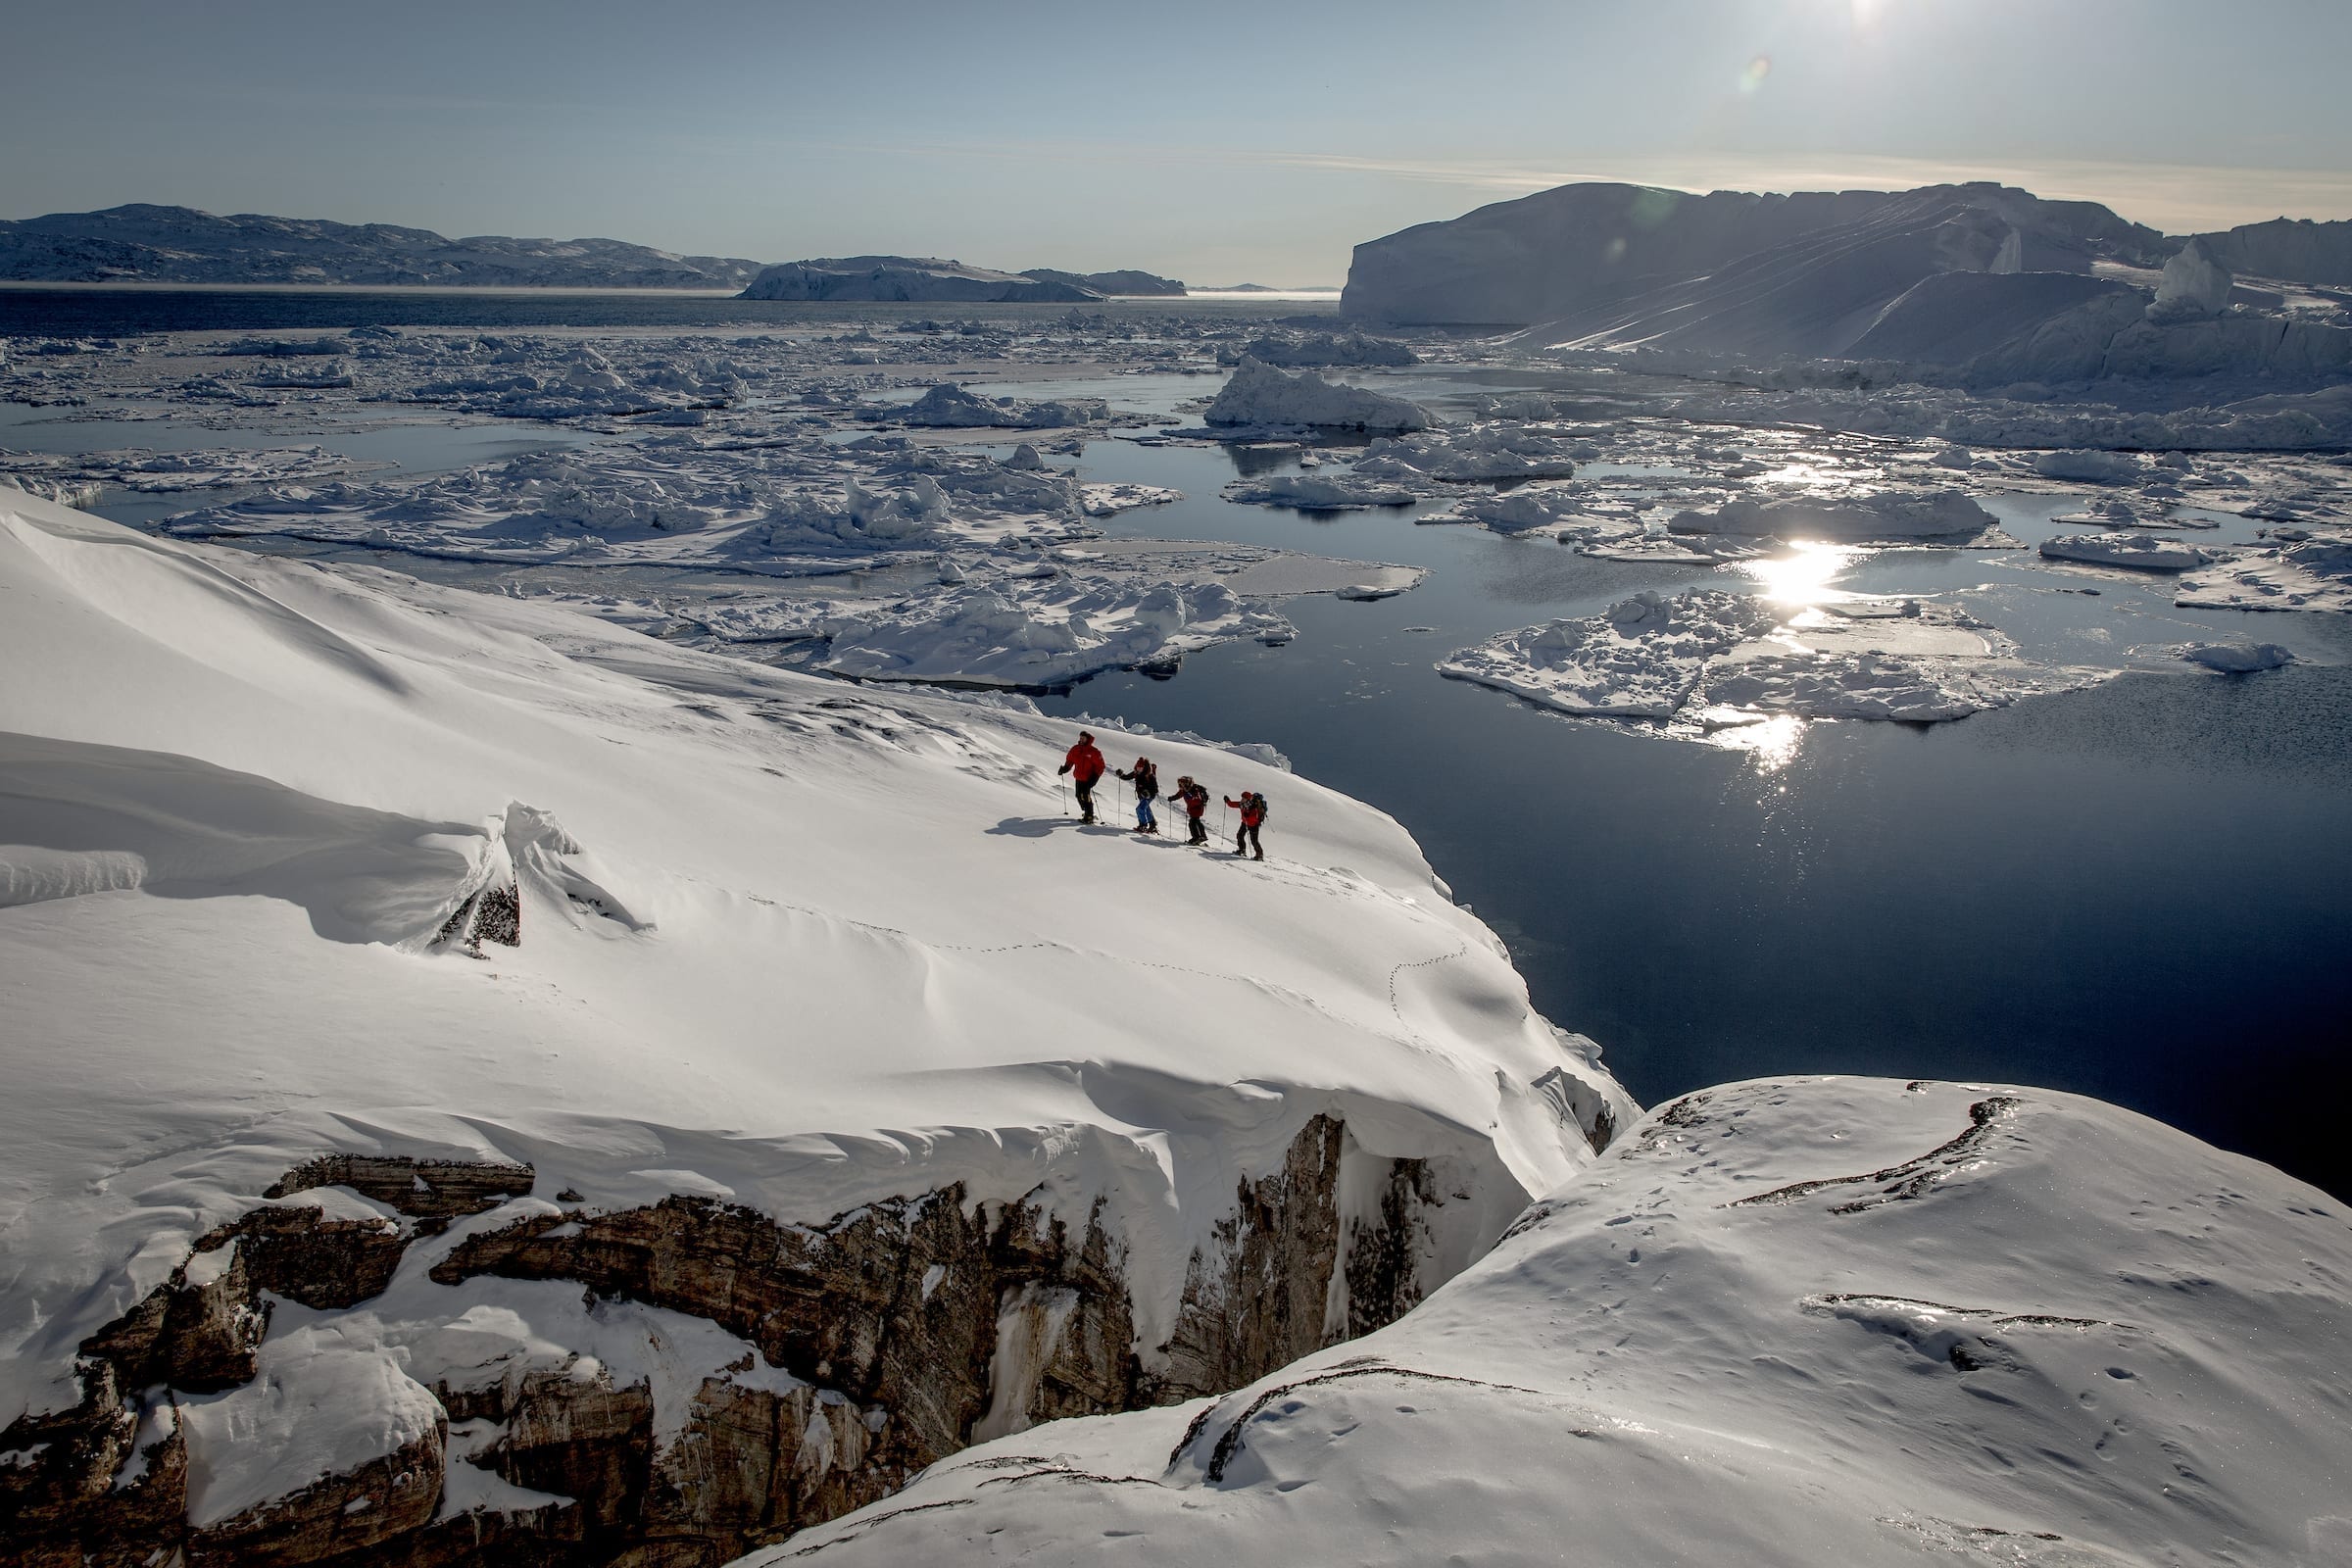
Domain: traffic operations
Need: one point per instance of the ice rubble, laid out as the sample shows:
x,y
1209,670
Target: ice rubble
x,y
983,637
952,407
1259,396
1640,658
1784,1323
2311,573
776,954
1474,453
1706,657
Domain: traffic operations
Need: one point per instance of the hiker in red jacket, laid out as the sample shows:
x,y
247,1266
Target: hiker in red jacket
x,y
1084,764
1252,807
1194,798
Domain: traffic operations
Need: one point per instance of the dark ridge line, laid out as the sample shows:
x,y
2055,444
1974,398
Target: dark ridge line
x,y
1980,1117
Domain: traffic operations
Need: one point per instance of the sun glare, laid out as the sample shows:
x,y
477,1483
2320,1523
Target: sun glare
x,y
1803,575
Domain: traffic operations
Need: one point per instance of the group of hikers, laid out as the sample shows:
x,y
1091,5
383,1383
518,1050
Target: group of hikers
x,y
1085,766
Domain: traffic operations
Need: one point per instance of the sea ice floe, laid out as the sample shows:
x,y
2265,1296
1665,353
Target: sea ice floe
x,y
2311,573
2236,658
1315,492
1708,657
1887,517
2138,551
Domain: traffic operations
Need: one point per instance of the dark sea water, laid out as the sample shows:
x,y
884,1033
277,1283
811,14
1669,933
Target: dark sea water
x,y
2141,890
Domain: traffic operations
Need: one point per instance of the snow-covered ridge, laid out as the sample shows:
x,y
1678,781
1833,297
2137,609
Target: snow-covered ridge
x,y
927,277
803,974
1786,1323
152,244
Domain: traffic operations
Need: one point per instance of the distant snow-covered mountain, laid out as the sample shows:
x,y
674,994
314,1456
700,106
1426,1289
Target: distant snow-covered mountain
x,y
150,244
890,278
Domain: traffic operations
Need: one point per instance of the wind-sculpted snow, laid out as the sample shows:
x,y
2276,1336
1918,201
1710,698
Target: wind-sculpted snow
x,y
1710,659
1785,1322
314,871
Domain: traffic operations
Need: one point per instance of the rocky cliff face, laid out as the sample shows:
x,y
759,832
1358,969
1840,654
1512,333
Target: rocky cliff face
x,y
882,1342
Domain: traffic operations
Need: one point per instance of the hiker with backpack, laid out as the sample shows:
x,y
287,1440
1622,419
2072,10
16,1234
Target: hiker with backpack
x,y
1193,796
1084,764
1252,807
1146,778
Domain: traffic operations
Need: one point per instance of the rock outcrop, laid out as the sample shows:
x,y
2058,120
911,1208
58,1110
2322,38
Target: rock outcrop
x,y
876,1344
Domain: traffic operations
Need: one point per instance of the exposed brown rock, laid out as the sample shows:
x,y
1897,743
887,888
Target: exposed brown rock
x,y
909,1328
383,1498
422,1189
301,1254
200,1337
63,1508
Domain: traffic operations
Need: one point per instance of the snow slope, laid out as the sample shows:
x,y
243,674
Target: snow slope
x,y
783,944
1783,1323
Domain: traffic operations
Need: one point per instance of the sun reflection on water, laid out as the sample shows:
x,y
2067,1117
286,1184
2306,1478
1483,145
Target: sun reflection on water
x,y
1803,577
1771,744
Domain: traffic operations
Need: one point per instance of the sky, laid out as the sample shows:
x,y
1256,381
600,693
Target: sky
x,y
1210,141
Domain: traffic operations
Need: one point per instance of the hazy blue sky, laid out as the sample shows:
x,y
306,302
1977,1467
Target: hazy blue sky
x,y
1216,142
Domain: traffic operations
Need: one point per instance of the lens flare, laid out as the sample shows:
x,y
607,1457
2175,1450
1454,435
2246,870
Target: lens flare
x,y
1753,76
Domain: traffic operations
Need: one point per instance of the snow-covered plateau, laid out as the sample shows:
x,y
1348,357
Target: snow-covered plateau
x,y
484,1081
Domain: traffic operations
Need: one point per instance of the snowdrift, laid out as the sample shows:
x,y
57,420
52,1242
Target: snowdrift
x,y
1784,1323
479,1077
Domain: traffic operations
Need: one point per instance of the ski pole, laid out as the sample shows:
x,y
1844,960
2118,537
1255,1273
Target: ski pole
x,y
1062,788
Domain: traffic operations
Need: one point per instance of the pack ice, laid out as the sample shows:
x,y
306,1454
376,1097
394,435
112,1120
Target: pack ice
x,y
486,1085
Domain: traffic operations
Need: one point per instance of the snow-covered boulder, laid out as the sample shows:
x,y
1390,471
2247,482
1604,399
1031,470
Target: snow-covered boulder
x,y
1786,1323
1259,394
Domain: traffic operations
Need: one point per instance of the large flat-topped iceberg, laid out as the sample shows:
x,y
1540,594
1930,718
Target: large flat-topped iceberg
x,y
1602,247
